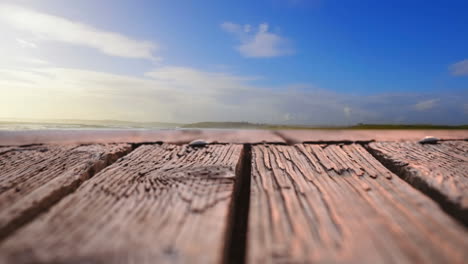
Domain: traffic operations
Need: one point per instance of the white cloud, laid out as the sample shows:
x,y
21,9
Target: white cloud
x,y
260,44
53,28
192,79
30,60
231,27
347,111
426,105
182,94
26,44
460,68
177,94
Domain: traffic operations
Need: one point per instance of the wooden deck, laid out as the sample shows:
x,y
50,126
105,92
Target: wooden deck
x,y
247,197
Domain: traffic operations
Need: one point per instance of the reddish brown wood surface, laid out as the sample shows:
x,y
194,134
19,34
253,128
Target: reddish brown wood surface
x,y
220,136
137,136
33,178
159,204
299,136
337,204
439,170
5,149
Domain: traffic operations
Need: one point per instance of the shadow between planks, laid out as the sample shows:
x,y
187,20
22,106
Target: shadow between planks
x,y
35,177
237,239
438,170
319,203
160,203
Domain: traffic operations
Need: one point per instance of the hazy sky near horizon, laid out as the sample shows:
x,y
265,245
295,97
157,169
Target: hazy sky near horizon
x,y
319,62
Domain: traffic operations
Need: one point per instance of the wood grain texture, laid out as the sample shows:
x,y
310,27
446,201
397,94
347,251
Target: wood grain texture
x,y
439,170
337,204
33,178
159,204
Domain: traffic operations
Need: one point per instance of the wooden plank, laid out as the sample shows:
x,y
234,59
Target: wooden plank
x,y
35,177
137,136
159,204
439,170
347,135
337,204
5,149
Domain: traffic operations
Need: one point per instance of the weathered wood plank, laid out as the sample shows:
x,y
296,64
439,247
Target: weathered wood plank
x,y
337,204
35,177
159,204
439,170
347,135
5,149
137,136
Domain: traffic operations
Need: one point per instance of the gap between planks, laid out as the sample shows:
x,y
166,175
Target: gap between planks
x,y
236,239
338,204
432,169
32,207
160,167
236,236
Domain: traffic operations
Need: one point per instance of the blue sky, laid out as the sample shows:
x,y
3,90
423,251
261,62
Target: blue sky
x,y
324,62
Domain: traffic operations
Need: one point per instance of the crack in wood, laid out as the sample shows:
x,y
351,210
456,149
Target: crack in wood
x,y
337,204
440,171
160,203
295,193
36,177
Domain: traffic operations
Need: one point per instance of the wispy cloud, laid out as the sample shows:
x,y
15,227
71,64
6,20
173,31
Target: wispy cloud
x,y
26,44
182,94
258,42
347,111
54,28
426,105
460,68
